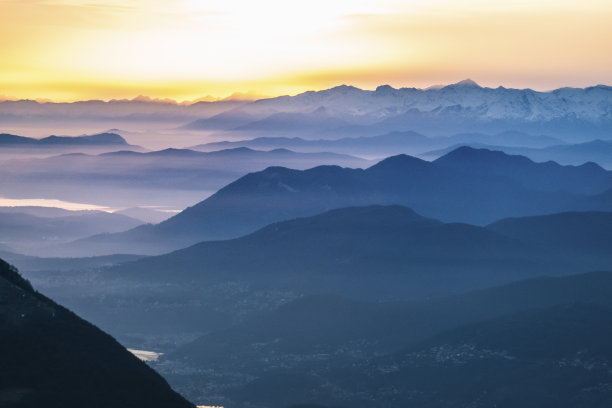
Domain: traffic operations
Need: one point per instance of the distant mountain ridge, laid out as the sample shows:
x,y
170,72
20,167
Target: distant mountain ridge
x,y
237,151
120,177
100,139
495,103
385,145
122,110
575,114
538,176
598,151
461,107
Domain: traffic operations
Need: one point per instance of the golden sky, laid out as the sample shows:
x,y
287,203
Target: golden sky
x,y
185,49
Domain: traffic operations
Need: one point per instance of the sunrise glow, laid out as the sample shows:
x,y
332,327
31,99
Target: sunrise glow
x,y
186,49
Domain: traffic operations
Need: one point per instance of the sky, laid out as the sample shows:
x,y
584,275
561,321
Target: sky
x,y
68,50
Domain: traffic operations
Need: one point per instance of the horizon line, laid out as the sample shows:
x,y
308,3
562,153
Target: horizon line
x,y
251,96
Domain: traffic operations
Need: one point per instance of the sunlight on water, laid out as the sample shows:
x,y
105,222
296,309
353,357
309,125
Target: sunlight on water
x,y
44,202
145,355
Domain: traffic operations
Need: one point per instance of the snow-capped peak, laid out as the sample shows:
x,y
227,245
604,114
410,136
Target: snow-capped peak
x,y
465,83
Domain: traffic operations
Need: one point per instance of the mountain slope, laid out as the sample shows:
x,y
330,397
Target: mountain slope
x,y
360,250
598,151
552,357
322,334
375,252
588,232
588,178
369,253
51,357
326,323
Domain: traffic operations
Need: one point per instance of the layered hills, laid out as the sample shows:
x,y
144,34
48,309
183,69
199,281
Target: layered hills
x,y
375,253
469,185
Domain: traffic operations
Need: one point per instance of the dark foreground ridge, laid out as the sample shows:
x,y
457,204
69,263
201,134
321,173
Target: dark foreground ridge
x,y
52,358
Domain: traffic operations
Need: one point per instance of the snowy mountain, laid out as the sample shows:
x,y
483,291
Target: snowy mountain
x,y
464,106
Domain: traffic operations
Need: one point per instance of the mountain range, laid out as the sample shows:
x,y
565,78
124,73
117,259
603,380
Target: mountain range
x,y
114,110
476,186
571,113
13,147
100,139
383,145
171,178
319,253
371,253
